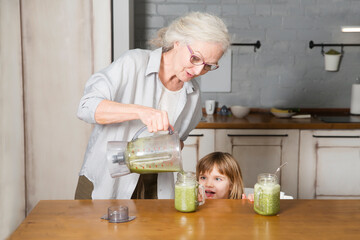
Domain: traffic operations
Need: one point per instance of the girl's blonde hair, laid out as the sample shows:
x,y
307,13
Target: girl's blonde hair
x,y
195,26
228,166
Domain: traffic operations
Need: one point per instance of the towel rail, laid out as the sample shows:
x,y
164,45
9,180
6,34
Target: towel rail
x,y
256,45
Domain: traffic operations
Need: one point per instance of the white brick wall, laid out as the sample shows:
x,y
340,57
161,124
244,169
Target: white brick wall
x,y
284,72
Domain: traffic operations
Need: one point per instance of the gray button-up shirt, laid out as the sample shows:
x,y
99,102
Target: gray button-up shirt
x,y
131,79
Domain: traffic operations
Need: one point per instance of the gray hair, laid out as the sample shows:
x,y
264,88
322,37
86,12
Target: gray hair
x,y
195,26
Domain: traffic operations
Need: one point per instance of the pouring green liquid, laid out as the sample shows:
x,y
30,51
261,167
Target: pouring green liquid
x,y
154,167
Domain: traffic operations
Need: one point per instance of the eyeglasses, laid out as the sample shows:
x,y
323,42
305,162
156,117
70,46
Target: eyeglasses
x,y
197,60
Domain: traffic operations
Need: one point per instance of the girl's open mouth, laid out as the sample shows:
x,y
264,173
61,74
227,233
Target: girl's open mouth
x,y
209,193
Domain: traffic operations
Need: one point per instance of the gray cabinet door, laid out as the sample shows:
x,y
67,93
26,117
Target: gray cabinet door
x,y
329,164
263,151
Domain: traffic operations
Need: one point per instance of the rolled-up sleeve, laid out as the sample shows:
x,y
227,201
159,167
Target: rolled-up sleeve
x,y
100,86
115,83
95,92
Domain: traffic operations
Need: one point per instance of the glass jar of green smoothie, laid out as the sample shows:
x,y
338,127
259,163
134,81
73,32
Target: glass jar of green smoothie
x,y
267,194
188,192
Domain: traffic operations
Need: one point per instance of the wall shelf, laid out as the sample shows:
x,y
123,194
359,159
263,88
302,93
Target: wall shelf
x,y
342,45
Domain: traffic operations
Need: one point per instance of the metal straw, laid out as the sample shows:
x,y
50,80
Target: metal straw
x,y
277,170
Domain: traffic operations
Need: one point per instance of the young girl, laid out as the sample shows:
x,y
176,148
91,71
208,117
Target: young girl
x,y
220,174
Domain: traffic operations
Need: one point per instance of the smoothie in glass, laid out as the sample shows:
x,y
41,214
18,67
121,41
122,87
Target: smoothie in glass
x,y
185,198
267,195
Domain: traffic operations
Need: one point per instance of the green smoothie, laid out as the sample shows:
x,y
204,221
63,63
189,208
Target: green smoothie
x,y
267,198
185,198
154,167
142,159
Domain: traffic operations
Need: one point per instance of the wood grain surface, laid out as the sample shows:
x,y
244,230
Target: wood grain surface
x,y
216,219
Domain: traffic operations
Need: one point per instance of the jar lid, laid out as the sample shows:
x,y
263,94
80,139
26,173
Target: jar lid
x,y
186,175
267,178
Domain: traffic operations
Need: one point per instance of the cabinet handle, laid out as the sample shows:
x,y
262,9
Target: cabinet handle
x,y
257,135
196,135
322,136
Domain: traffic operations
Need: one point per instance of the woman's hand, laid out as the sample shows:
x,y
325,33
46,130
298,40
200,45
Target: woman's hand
x,y
154,119
109,112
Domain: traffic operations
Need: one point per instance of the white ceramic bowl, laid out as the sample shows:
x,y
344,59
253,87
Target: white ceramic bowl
x,y
239,111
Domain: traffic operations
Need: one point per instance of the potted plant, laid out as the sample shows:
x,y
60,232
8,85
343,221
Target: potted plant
x,y
332,60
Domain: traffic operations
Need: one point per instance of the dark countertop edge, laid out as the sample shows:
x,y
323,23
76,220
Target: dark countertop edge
x,y
312,111
303,124
310,126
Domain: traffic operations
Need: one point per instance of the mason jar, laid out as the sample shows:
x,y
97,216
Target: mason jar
x,y
187,192
267,194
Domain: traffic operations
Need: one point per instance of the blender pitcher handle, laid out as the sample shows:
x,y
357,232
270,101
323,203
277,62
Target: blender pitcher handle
x,y
202,194
137,134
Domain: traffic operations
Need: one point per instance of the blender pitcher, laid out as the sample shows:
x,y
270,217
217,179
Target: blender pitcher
x,y
154,154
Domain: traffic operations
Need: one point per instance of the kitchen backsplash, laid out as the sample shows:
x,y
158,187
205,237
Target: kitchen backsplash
x,y
284,72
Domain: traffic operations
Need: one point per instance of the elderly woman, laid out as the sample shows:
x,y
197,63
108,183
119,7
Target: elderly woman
x,y
155,88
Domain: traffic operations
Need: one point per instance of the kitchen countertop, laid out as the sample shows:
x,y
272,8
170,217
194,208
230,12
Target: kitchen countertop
x,y
216,219
265,120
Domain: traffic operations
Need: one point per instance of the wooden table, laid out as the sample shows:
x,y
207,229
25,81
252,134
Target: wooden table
x,y
217,219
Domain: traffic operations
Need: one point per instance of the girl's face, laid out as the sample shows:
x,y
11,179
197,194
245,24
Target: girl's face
x,y
184,69
217,185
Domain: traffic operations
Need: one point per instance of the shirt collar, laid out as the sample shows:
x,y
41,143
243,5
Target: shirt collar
x,y
189,87
154,61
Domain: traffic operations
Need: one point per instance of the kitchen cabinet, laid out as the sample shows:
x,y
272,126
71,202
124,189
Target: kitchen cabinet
x,y
329,164
257,151
263,151
321,163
